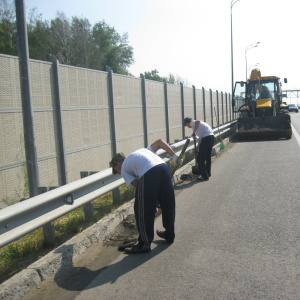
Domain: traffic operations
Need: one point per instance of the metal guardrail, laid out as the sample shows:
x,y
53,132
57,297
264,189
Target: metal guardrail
x,y
24,217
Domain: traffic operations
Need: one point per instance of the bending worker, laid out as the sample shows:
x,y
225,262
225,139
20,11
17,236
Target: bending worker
x,y
150,175
205,143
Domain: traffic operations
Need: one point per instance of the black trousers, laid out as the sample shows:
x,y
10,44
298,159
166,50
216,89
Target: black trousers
x,y
154,187
204,156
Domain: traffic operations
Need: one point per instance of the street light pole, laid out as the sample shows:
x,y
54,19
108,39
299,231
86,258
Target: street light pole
x,y
232,82
246,50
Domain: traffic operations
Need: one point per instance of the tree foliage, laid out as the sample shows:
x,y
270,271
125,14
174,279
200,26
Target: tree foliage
x,y
153,75
172,79
74,42
8,29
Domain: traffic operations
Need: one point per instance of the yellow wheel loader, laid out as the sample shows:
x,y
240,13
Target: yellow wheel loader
x,y
262,113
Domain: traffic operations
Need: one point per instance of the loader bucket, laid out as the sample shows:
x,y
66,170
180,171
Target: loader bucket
x,y
274,127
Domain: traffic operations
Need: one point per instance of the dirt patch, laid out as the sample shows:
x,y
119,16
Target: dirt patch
x,y
125,233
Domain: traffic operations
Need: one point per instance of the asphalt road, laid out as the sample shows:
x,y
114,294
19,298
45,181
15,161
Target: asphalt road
x,y
237,235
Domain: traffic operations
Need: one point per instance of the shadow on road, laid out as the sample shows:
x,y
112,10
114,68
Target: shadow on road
x,y
74,278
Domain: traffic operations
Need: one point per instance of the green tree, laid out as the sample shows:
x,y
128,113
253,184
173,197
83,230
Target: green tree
x,y
81,43
8,29
39,37
112,49
61,39
153,75
175,79
74,43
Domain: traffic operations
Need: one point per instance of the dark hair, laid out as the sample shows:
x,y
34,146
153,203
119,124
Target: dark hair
x,y
118,157
187,120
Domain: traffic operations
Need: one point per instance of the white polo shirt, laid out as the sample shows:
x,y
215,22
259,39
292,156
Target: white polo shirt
x,y
203,130
138,163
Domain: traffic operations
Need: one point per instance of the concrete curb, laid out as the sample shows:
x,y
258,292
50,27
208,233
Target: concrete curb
x,y
16,287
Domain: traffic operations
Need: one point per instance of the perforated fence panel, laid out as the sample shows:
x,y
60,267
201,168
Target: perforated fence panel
x,y
42,92
156,111
12,152
175,118
128,113
84,101
199,104
88,105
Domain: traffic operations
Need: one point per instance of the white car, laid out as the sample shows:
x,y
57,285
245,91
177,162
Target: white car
x,y
293,107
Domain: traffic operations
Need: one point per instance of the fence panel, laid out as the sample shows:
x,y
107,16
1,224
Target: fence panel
x,y
12,153
84,101
84,97
189,109
156,111
128,113
175,122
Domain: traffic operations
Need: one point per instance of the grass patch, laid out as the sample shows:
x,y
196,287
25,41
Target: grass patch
x,y
28,249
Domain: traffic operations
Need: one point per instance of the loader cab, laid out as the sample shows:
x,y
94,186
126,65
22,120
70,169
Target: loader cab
x,y
256,97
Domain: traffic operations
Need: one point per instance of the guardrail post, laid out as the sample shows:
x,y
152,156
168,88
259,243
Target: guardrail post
x,y
48,229
88,208
167,111
115,192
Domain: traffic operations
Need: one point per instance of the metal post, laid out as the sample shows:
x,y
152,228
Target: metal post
x,y
195,102
218,109
115,192
222,100
182,109
211,108
28,123
88,208
144,110
232,80
204,106
167,111
58,124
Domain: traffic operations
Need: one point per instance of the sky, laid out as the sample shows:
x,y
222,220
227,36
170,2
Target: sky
x,y
192,39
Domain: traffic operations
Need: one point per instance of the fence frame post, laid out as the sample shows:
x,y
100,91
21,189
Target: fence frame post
x,y
182,109
204,104
167,111
144,106
59,136
116,192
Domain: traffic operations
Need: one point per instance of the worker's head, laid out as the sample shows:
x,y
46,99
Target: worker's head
x,y
116,163
187,121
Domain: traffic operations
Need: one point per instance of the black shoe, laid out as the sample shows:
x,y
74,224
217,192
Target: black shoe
x,y
137,249
162,234
202,179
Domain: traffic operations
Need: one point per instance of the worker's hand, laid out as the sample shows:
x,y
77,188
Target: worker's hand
x,y
193,135
178,161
